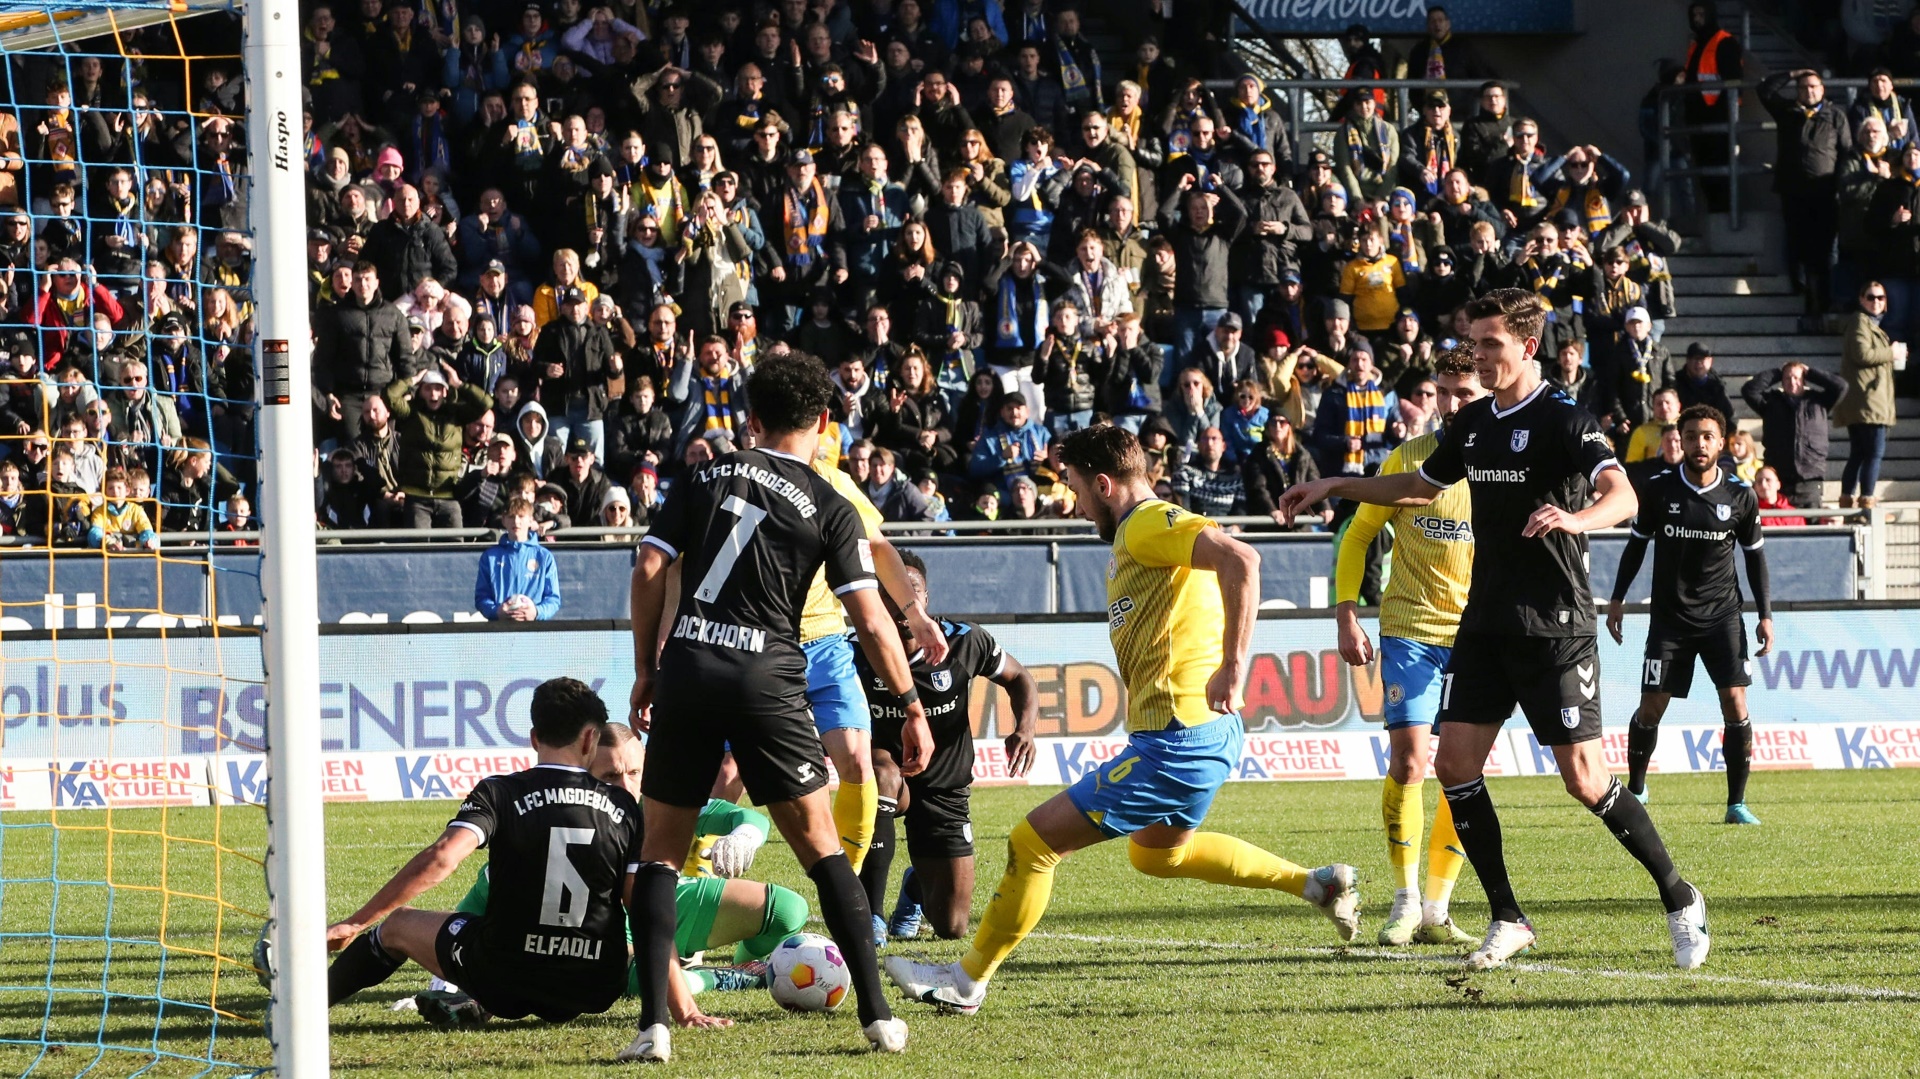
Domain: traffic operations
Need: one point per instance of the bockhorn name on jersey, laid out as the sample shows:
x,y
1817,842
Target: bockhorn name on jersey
x,y
724,634
560,945
1496,475
772,481
569,796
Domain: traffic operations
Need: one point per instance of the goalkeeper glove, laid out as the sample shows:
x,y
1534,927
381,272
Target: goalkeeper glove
x,y
733,853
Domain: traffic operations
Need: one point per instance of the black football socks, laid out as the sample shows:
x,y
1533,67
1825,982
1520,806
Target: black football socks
x,y
843,906
879,861
652,919
1737,749
1627,819
1479,828
1641,742
363,964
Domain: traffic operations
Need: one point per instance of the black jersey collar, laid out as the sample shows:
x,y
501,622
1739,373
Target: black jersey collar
x,y
1502,413
1684,478
562,767
777,453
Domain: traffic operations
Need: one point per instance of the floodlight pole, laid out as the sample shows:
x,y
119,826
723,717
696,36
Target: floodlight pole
x,y
296,863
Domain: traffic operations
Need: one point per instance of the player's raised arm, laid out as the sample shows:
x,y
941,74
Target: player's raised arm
x,y
1237,565
1400,489
1023,693
426,869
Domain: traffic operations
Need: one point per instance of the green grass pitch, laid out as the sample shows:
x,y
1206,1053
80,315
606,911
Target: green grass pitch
x,y
1814,969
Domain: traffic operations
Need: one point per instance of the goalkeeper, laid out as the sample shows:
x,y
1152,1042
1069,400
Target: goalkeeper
x,y
716,908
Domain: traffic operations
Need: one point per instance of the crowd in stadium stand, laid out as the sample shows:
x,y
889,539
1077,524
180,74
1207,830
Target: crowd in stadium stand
x,y
546,242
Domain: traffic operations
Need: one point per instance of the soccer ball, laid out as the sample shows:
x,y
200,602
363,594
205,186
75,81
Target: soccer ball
x,y
807,974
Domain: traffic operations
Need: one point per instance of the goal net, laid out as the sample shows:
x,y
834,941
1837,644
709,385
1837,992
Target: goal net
x,y
134,832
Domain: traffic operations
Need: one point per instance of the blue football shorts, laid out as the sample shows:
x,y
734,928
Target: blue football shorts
x,y
833,686
1410,674
1162,777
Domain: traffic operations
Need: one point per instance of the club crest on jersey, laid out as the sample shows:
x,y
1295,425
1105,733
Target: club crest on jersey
x,y
942,681
1723,512
1113,567
1569,718
1520,440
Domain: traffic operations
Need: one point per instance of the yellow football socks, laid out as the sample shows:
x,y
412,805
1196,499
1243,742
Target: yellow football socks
x,y
1445,856
1017,904
1220,859
854,806
1401,809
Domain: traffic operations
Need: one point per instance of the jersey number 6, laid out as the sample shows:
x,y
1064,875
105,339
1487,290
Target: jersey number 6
x,y
564,901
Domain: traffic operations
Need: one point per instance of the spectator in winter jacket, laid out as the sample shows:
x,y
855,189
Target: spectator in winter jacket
x,y
583,481
407,247
1814,136
430,423
1458,207
1280,462
1130,390
1697,384
1013,447
637,428
1794,403
518,579
892,493
574,359
1277,221
1222,355
117,522
1202,225
1648,244
346,502
1350,426
1069,367
361,344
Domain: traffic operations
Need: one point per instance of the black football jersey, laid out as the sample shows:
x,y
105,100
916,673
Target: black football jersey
x,y
1544,451
944,693
753,528
561,844
1694,529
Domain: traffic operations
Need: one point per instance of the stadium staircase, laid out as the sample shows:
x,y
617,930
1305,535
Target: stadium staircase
x,y
1734,297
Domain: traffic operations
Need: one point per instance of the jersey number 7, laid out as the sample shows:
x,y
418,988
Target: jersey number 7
x,y
738,537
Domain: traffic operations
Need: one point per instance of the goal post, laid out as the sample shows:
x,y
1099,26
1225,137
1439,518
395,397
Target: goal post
x,y
296,856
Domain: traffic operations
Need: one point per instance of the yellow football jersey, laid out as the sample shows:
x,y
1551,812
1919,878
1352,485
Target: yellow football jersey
x,y
1166,618
1432,555
822,616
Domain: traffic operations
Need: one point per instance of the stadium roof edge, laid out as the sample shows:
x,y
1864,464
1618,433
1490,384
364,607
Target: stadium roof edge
x,y
41,27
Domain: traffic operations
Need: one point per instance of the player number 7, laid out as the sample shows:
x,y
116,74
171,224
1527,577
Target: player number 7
x,y
738,537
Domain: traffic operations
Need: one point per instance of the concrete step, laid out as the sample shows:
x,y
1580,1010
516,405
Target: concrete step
x,y
1890,469
1733,285
1692,305
1702,324
1728,344
1737,368
1688,265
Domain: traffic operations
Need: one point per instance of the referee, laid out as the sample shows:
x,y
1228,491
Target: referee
x,y
1533,461
1694,514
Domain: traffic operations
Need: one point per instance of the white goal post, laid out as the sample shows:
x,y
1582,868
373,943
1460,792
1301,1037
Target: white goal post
x,y
296,856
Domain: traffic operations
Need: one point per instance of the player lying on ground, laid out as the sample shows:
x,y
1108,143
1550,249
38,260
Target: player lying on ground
x,y
715,908
1694,515
552,941
1419,616
752,528
1181,600
936,802
1533,460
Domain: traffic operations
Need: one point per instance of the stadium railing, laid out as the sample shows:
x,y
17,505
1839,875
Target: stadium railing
x,y
1675,138
1295,93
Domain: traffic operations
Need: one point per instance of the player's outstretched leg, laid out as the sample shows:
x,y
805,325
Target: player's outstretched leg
x,y
1222,859
843,906
1445,859
1586,778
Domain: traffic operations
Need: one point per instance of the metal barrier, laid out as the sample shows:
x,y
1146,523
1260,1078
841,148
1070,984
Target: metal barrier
x,y
1295,91
1733,170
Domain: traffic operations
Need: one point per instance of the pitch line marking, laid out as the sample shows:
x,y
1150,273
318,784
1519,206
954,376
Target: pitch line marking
x,y
1872,992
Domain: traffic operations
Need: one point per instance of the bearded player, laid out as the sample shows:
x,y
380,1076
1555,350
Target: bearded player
x,y
1182,596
